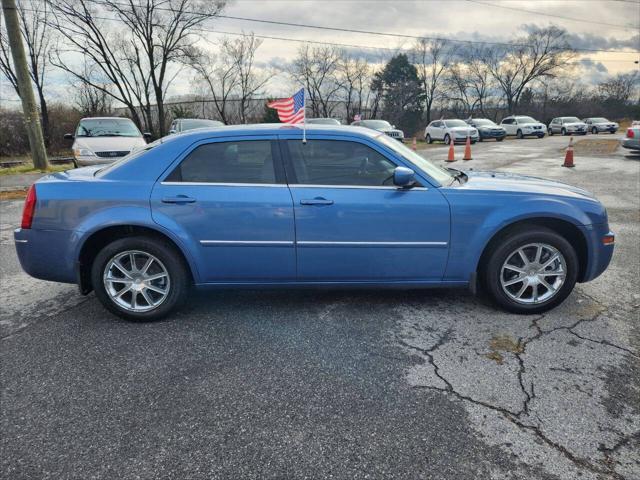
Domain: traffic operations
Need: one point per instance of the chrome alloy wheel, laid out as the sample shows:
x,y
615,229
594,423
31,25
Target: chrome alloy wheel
x,y
136,281
533,274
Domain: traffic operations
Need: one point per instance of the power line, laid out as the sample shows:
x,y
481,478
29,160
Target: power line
x,y
334,44
367,32
572,19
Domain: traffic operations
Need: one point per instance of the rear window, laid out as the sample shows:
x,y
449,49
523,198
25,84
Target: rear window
x,y
249,161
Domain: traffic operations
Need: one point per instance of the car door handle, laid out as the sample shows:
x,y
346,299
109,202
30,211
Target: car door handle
x,y
316,201
178,199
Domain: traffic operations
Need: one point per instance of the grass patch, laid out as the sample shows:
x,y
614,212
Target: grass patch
x,y
13,195
20,169
596,146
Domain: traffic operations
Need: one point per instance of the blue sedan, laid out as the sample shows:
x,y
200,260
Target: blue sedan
x,y
255,206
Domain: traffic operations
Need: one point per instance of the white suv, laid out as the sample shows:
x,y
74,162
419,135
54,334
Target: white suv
x,y
445,130
522,126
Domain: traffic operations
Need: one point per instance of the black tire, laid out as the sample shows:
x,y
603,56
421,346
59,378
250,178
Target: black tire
x,y
550,132
480,139
594,130
499,139
180,279
428,139
519,135
563,131
447,139
75,163
503,248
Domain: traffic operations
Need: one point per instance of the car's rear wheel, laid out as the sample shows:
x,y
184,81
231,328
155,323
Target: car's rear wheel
x,y
140,278
428,139
530,271
519,134
447,139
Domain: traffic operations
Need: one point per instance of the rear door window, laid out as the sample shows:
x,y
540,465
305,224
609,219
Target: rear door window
x,y
247,161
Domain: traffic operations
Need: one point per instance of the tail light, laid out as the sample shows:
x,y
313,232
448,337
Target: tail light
x,y
630,133
29,207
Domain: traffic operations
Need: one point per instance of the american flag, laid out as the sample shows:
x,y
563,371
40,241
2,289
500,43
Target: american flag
x,y
290,110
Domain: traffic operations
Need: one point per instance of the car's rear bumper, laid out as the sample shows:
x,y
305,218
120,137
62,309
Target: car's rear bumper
x,y
46,254
631,143
599,253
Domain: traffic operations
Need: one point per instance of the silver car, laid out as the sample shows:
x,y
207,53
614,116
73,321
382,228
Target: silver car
x,y
381,126
567,126
632,140
323,121
184,124
104,140
600,124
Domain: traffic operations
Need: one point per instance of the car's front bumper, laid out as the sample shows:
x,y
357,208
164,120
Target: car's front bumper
x,y
533,133
46,254
599,253
631,143
607,129
458,139
489,134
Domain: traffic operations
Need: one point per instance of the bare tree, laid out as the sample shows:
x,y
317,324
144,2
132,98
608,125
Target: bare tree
x,y
459,89
91,101
354,79
37,40
620,88
479,79
544,53
249,78
142,58
219,74
431,59
316,68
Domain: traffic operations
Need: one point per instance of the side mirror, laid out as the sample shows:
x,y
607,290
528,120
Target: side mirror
x,y
404,177
68,136
172,131
146,135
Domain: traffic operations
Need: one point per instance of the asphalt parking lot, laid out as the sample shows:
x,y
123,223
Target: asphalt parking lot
x,y
335,384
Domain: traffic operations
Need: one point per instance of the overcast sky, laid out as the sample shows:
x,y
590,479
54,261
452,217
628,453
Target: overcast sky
x,y
607,25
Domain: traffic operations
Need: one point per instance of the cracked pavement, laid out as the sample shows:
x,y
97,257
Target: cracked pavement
x,y
334,384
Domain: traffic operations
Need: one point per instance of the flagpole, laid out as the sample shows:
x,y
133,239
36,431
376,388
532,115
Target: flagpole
x,y
304,116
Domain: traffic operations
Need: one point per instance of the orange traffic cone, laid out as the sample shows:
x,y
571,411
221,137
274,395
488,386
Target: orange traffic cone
x,y
414,144
467,149
568,157
452,156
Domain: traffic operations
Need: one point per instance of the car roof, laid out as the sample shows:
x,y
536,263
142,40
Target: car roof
x,y
106,118
277,128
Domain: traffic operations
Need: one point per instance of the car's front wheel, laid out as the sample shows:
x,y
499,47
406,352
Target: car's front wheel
x,y
594,130
530,271
140,278
447,139
563,131
519,134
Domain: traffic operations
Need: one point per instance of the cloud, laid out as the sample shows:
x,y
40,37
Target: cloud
x,y
589,64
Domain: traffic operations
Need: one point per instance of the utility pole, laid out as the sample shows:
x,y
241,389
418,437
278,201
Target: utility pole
x,y
29,108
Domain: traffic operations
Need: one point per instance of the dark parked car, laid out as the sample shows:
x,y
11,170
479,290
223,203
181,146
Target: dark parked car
x,y
254,206
487,129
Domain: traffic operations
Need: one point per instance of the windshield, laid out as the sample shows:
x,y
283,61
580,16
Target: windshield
x,y
571,119
483,122
107,127
437,173
525,120
455,123
376,124
200,123
599,120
